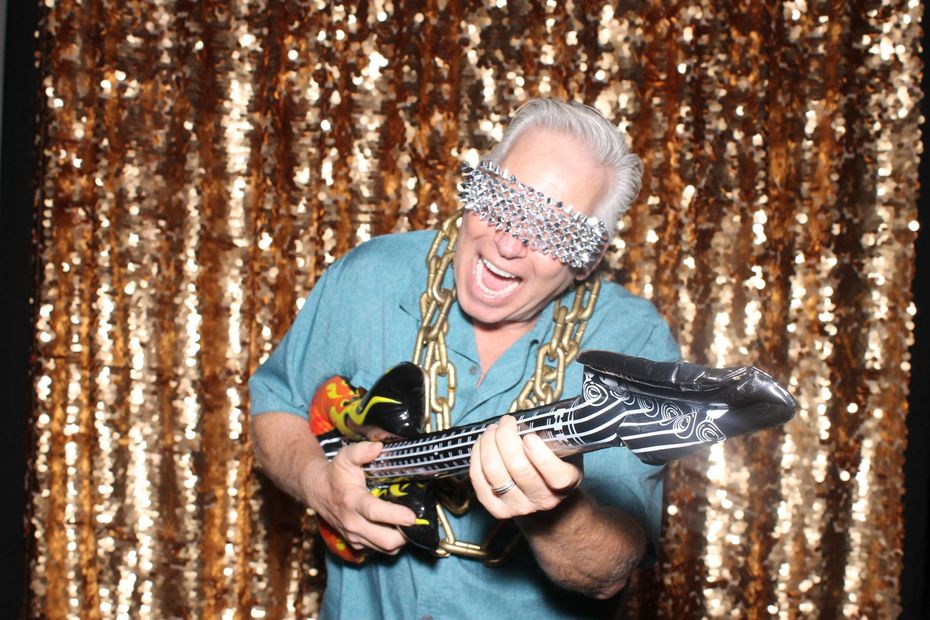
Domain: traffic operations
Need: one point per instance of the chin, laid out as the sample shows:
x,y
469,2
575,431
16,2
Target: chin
x,y
480,312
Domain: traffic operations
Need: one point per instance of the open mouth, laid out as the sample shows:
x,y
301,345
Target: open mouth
x,y
494,281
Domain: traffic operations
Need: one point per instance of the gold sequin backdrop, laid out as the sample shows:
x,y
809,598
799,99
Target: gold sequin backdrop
x,y
201,163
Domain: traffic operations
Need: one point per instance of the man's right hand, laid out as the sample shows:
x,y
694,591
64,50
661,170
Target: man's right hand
x,y
291,456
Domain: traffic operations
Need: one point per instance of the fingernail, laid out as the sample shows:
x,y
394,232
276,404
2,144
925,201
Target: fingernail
x,y
533,441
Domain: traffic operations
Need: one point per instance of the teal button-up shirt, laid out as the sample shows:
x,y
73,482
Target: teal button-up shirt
x,y
361,319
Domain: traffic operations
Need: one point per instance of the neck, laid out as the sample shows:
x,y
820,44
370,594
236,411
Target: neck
x,y
448,453
492,341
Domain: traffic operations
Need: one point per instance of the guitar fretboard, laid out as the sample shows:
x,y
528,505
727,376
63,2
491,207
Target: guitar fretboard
x,y
448,452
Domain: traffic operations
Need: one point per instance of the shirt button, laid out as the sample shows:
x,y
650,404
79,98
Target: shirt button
x,y
472,371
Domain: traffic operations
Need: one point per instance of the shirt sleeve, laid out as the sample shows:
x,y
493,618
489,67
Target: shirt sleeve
x,y
307,355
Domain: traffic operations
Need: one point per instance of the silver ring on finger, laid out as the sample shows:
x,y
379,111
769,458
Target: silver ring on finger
x,y
501,490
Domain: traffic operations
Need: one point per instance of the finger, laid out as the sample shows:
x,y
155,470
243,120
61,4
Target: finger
x,y
378,537
478,481
485,468
373,523
361,453
383,512
493,468
519,467
560,476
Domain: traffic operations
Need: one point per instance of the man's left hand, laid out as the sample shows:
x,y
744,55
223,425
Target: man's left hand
x,y
541,480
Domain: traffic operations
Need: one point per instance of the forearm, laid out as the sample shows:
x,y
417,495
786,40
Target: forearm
x,y
336,490
287,451
585,547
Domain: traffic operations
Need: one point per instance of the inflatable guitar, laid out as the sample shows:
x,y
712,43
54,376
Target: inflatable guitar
x,y
657,410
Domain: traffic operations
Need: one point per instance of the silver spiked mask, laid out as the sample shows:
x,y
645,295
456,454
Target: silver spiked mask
x,y
530,216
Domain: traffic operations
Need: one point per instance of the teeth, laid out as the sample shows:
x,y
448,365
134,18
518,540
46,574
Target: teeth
x,y
479,279
497,270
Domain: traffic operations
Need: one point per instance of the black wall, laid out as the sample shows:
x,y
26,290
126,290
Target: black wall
x,y
914,582
16,285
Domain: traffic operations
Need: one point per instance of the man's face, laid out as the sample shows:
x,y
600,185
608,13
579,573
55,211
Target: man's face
x,y
499,281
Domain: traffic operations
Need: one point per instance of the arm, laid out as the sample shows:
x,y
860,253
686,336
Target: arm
x,y
585,547
291,456
581,545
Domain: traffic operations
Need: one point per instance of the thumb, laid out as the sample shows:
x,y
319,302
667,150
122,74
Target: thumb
x,y
363,452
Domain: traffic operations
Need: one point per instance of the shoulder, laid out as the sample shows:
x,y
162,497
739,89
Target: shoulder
x,y
408,245
386,259
614,298
394,244
626,323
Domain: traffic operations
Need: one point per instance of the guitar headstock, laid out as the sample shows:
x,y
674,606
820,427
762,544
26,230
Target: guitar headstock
x,y
664,410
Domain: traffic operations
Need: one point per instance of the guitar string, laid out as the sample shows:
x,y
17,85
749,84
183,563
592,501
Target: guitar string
x,y
478,428
380,465
452,442
433,463
440,438
410,454
449,443
412,461
460,464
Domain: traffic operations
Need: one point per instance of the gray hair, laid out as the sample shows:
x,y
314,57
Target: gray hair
x,y
608,147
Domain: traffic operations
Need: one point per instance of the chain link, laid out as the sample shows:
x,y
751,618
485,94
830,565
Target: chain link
x,y
430,349
545,386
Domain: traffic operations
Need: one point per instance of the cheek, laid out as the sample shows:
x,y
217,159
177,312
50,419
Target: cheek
x,y
473,226
549,268
465,244
459,263
553,275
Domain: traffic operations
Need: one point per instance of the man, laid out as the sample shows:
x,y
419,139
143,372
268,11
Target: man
x,y
518,256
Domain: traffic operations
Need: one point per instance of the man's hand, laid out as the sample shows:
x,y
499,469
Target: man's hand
x,y
337,491
292,457
541,480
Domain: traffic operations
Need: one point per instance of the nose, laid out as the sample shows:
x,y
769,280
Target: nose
x,y
509,246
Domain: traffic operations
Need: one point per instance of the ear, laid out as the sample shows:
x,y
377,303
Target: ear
x,y
587,271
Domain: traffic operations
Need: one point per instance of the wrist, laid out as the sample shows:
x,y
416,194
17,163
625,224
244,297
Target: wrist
x,y
310,476
576,506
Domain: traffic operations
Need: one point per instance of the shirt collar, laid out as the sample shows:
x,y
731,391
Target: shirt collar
x,y
461,337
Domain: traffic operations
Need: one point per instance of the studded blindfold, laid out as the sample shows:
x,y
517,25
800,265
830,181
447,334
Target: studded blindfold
x,y
537,220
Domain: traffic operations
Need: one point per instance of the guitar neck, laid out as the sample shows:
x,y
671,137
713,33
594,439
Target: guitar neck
x,y
448,452
658,411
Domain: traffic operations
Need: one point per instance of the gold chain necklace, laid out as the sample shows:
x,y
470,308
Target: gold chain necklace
x,y
430,352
